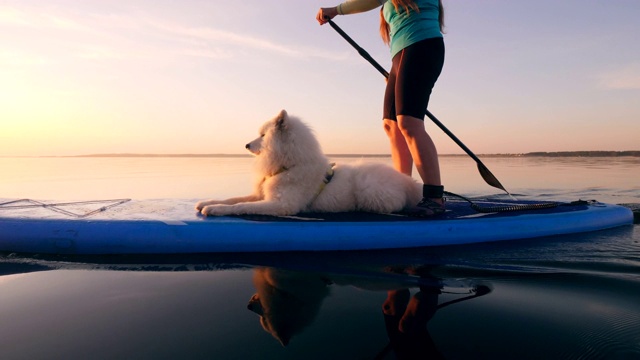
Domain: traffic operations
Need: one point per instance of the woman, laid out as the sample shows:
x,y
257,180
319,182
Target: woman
x,y
413,29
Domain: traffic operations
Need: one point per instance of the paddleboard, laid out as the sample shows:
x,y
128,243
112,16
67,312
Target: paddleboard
x,y
171,226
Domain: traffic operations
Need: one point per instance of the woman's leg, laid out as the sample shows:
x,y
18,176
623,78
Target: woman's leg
x,y
418,67
421,148
400,153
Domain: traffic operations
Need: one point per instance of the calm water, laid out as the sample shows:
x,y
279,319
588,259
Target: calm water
x,y
569,297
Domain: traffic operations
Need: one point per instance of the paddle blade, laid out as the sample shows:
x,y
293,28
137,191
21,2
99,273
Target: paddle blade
x,y
490,178
482,290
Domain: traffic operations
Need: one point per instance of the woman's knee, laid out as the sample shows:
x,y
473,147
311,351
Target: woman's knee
x,y
390,128
410,126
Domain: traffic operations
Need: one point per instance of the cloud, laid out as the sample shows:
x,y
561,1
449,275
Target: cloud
x,y
13,17
117,36
210,35
96,52
19,59
208,53
624,78
249,41
59,22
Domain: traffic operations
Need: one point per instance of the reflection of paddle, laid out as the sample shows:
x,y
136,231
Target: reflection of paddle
x,y
479,291
484,171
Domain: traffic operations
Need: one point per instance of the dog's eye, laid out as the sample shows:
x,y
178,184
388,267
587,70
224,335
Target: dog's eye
x,y
261,135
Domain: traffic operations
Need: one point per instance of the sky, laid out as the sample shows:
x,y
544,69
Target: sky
x,y
200,76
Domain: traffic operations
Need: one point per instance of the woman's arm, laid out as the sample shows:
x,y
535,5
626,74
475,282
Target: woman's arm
x,y
346,8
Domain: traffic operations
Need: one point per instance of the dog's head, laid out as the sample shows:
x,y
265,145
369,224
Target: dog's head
x,y
286,301
283,137
268,131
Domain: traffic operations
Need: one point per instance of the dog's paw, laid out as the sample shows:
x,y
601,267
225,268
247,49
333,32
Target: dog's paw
x,y
213,210
202,204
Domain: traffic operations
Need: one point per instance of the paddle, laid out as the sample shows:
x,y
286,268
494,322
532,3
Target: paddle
x,y
484,171
480,290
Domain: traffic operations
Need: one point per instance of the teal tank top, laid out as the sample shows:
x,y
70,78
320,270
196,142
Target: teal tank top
x,y
406,29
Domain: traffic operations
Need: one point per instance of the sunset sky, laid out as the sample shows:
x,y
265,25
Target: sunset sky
x,y
196,76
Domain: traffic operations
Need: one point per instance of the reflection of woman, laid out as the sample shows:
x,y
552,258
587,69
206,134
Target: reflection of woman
x,y
289,301
413,29
406,320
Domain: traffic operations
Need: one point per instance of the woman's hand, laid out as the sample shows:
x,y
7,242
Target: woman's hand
x,y
325,14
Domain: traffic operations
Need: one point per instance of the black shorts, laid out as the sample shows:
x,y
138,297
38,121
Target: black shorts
x,y
414,71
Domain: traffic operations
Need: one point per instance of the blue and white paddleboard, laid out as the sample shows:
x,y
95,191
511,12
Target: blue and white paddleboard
x,y
173,226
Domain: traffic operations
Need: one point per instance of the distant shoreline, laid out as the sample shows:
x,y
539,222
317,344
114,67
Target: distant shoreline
x,y
633,153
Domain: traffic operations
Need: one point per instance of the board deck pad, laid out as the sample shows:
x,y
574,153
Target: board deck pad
x,y
166,226
456,209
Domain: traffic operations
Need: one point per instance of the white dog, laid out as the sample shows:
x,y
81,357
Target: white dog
x,y
295,176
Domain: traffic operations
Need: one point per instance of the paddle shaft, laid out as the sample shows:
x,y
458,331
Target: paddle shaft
x,y
484,171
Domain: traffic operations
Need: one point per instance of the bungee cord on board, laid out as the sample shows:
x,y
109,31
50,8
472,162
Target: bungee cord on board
x,y
507,207
29,203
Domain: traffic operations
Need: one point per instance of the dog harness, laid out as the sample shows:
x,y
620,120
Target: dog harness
x,y
327,178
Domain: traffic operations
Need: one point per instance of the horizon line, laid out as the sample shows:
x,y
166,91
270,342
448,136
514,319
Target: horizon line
x,y
582,153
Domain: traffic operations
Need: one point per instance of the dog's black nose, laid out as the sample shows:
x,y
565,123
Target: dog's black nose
x,y
248,146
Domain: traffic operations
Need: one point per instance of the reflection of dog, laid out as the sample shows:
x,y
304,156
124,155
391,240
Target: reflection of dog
x,y
295,176
289,301
286,301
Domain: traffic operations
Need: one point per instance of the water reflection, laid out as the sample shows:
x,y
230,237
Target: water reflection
x,y
406,319
560,297
289,301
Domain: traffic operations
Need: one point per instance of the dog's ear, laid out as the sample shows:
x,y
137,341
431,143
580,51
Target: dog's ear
x,y
255,305
281,120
